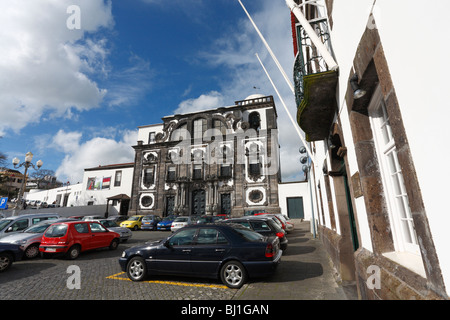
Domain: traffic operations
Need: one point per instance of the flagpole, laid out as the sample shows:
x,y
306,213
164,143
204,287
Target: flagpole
x,y
270,50
287,111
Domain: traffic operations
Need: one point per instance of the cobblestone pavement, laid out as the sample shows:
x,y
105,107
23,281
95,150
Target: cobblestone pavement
x,y
102,278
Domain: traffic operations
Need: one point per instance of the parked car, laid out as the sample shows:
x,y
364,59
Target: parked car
x,y
150,222
277,220
92,218
72,238
8,254
118,218
76,217
14,224
182,221
211,219
30,238
263,225
124,233
133,222
43,205
166,223
230,252
286,225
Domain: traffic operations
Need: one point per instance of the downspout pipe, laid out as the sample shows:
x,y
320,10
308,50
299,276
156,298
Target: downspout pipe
x,y
329,60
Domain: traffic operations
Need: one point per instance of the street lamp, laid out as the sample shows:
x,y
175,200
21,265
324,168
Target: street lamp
x,y
27,163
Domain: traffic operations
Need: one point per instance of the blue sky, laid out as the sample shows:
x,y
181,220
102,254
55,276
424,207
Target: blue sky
x,y
76,97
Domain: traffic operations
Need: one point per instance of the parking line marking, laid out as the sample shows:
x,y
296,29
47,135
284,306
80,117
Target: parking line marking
x,y
116,277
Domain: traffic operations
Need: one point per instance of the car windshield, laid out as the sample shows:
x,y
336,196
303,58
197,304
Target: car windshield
x,y
248,234
4,223
184,219
167,219
56,231
134,218
147,218
38,228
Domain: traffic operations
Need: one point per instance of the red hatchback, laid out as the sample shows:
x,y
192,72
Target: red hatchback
x,y
74,237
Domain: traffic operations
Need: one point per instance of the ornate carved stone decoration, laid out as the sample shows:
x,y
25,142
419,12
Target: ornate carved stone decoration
x,y
150,157
163,136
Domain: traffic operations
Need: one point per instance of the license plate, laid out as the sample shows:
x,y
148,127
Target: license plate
x,y
50,249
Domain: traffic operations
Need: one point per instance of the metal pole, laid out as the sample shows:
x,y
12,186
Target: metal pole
x,y
287,111
270,50
22,189
332,65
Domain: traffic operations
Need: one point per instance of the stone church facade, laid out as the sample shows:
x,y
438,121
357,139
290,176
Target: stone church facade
x,y
219,161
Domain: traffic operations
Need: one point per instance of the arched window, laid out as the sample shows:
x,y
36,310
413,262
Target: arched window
x,y
219,125
254,120
179,133
199,128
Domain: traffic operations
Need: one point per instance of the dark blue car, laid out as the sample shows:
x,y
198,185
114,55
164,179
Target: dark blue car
x,y
8,254
230,252
150,222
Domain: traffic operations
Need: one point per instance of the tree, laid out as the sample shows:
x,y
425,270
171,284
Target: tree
x,y
44,178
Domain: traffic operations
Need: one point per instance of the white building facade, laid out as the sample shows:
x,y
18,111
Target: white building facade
x,y
99,184
379,191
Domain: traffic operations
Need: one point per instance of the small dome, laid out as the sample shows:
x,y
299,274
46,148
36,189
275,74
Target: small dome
x,y
255,96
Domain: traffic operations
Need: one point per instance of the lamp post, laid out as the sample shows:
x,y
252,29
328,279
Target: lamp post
x,y
27,163
306,168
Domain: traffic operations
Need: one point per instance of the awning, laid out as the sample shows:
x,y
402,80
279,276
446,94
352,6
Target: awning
x,y
121,196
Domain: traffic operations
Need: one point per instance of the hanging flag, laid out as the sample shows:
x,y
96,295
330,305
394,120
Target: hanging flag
x,y
106,182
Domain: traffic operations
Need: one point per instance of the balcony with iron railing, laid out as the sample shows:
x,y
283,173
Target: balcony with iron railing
x,y
315,84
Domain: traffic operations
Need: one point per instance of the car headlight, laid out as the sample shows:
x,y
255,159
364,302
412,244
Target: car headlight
x,y
124,254
20,242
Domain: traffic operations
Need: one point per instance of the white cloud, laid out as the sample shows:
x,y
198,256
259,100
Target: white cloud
x,y
207,101
44,66
91,153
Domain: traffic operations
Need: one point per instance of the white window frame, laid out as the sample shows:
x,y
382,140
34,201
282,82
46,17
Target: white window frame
x,y
405,238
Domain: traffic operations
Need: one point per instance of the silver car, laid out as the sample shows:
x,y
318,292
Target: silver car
x,y
182,221
30,238
17,224
125,233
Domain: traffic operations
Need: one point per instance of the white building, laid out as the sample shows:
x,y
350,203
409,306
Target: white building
x,y
99,184
380,193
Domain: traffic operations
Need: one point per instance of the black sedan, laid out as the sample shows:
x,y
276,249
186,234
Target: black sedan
x,y
230,252
264,225
8,254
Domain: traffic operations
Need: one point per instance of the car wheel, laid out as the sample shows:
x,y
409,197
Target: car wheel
x,y
233,274
32,252
135,228
73,252
114,244
6,261
136,269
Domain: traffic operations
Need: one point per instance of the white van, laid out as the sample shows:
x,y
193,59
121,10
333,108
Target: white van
x,y
11,225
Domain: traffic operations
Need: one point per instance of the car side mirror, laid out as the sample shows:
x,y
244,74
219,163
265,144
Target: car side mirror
x,y
167,244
